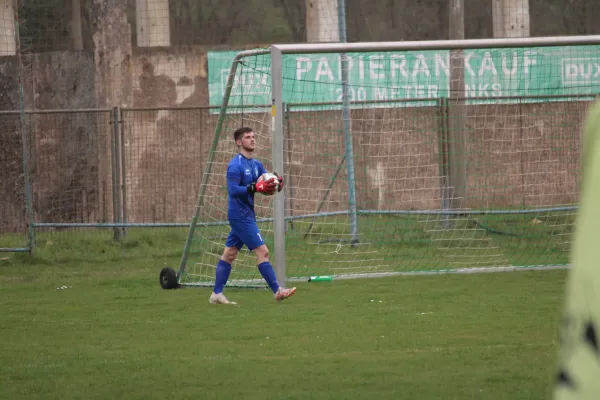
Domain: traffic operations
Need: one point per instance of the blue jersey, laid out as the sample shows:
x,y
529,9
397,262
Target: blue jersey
x,y
241,172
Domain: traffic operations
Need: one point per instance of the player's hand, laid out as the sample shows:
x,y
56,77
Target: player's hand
x,y
280,179
267,187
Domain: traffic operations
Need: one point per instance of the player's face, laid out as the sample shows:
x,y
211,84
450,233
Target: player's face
x,y
248,142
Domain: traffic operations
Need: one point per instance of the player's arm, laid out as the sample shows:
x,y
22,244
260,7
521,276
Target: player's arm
x,y
262,186
234,179
236,189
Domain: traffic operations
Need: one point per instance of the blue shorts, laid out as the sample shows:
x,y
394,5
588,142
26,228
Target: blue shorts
x,y
244,232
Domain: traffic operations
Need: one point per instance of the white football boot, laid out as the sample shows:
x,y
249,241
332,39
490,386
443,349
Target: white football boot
x,y
283,293
220,299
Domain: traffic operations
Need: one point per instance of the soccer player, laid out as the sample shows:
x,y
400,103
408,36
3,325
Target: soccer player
x,y
578,373
243,172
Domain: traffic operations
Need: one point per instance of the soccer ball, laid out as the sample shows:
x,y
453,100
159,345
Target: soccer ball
x,y
267,177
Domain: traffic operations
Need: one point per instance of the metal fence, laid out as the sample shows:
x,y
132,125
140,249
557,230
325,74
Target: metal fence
x,y
99,168
62,170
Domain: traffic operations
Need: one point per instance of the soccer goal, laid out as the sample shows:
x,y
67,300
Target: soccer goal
x,y
403,157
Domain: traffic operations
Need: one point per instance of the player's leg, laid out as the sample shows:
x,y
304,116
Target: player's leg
x,y
247,231
264,266
268,273
224,268
232,246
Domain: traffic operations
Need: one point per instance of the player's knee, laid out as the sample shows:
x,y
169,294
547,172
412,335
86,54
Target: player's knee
x,y
229,255
229,259
262,252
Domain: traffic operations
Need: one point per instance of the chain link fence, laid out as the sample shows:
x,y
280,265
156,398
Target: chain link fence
x,y
116,169
104,168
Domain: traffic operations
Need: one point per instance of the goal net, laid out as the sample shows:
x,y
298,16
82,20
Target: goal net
x,y
404,160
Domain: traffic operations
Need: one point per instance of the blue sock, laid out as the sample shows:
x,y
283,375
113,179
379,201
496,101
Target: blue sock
x,y
267,272
223,270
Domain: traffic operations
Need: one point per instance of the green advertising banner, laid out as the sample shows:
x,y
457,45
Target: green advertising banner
x,y
400,78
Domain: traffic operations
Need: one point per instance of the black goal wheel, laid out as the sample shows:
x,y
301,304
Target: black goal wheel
x,y
168,278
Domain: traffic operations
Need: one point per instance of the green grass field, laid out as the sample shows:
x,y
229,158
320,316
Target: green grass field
x,y
114,334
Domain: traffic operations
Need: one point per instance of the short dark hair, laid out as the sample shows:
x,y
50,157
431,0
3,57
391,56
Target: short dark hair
x,y
239,133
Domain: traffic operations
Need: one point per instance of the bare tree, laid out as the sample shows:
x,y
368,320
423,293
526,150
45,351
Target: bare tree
x,y
76,33
294,12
